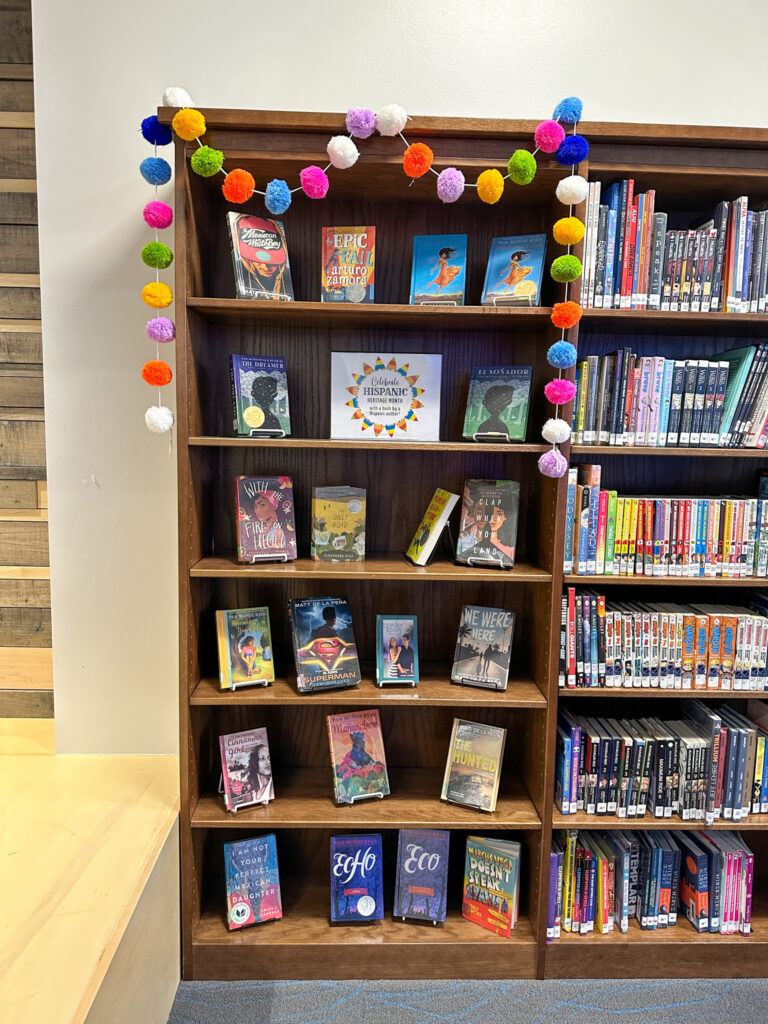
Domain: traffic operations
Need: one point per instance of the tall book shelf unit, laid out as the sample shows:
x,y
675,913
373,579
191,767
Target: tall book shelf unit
x,y
690,168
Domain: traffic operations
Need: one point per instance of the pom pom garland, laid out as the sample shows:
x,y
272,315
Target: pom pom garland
x,y
238,186
175,96
157,254
155,171
560,391
417,160
572,190
566,268
391,119
314,181
556,431
159,419
522,167
553,464
189,124
278,197
490,186
566,314
360,122
157,373
573,150
450,185
342,152
161,329
568,231
568,111
206,161
158,215
157,294
561,355
155,133
548,136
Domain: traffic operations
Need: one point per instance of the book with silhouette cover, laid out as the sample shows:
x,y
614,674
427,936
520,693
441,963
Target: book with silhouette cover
x,y
421,882
497,403
488,531
259,395
483,647
473,767
431,527
357,756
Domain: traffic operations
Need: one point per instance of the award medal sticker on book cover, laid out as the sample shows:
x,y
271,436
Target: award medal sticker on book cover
x,y
348,264
488,531
265,518
357,891
260,258
246,769
438,271
473,767
245,648
338,524
324,643
515,267
421,881
260,395
397,655
483,647
391,395
253,882
497,402
357,756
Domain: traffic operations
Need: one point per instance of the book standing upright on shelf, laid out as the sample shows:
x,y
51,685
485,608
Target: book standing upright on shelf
x,y
473,766
432,527
357,889
323,643
397,650
497,403
259,257
253,882
245,648
259,396
357,756
265,519
483,647
438,270
421,881
348,257
246,769
514,271
492,884
488,531
338,524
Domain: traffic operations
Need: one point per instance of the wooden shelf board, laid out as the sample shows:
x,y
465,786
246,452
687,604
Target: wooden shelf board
x,y
666,581
435,689
400,447
376,567
663,318
695,453
305,800
755,822
655,691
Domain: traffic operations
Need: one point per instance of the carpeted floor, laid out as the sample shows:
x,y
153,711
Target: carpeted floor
x,y
468,1002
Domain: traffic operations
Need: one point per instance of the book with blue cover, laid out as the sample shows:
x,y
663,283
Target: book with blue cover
x,y
438,270
253,882
357,891
323,643
514,272
422,874
397,650
259,395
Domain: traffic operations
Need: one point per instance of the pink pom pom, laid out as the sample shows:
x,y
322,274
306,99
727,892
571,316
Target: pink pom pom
x,y
160,328
360,122
553,463
314,181
560,392
158,215
548,136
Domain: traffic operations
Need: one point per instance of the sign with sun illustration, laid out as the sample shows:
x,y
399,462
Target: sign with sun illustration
x,y
389,397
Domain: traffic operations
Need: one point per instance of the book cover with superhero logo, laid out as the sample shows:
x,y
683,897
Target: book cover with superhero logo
x,y
357,891
473,767
497,402
338,524
357,756
324,643
253,882
265,518
245,647
246,768
515,267
259,258
439,270
422,874
259,395
348,261
488,531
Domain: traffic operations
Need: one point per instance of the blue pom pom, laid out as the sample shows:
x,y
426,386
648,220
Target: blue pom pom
x,y
568,111
155,170
155,133
562,355
573,149
278,197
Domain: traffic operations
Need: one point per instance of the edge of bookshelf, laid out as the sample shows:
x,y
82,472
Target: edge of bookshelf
x,y
475,448
581,820
655,691
696,453
667,581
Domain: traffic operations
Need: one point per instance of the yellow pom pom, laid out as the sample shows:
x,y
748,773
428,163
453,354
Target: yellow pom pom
x,y
157,294
490,185
568,231
188,124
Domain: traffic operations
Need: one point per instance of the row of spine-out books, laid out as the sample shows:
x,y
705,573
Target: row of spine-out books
x,y
490,895
600,881
631,260
610,535
662,646
627,400
709,765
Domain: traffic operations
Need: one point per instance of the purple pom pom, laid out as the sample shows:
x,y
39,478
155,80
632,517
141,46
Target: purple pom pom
x,y
158,215
160,328
553,463
573,150
314,181
560,391
548,136
360,122
450,184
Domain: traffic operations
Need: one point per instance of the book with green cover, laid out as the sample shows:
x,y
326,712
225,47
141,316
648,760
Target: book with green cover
x,y
610,533
497,402
739,362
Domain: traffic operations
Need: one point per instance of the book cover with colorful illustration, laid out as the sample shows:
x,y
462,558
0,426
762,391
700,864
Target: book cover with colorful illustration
x,y
397,650
439,270
514,272
431,527
265,518
338,524
497,402
246,769
421,881
348,259
357,756
259,395
259,257
492,884
245,647
473,766
390,396
483,647
253,882
323,643
488,531
357,888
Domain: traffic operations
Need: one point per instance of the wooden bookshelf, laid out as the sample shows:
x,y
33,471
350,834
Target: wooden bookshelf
x,y
691,168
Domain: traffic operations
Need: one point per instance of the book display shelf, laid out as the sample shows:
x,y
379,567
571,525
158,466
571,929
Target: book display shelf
x,y
691,169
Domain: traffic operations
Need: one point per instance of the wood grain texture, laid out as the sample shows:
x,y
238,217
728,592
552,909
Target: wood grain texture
x,y
393,447
16,36
35,703
18,244
579,450
16,95
663,581
21,341
27,736
26,668
24,543
18,493
22,439
18,207
17,152
16,72
20,300
25,627
21,389
25,594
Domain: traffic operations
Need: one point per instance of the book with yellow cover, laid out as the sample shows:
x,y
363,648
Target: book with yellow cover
x,y
473,768
245,648
338,524
431,527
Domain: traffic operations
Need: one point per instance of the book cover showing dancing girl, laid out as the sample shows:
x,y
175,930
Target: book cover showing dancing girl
x,y
245,647
357,756
439,270
515,267
259,258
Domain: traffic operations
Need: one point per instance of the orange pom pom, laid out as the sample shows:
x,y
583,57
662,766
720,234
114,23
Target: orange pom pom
x,y
417,160
157,373
566,314
238,186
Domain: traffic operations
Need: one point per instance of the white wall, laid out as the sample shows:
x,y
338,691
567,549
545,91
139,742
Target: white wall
x,y
101,67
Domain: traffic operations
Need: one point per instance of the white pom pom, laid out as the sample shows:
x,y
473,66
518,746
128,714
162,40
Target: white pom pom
x,y
175,96
555,431
391,119
572,190
158,419
342,152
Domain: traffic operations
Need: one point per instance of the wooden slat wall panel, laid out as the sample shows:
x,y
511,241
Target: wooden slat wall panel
x,y
17,206
26,668
17,152
24,543
19,301
21,389
16,36
25,627
22,443
25,593
21,342
26,703
16,95
18,249
19,494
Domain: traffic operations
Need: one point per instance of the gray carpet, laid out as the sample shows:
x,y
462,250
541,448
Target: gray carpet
x,y
468,1002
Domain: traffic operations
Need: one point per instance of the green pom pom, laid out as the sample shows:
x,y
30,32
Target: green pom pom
x,y
206,161
566,268
522,167
157,254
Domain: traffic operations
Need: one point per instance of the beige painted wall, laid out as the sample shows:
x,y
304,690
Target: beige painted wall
x,y
100,68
